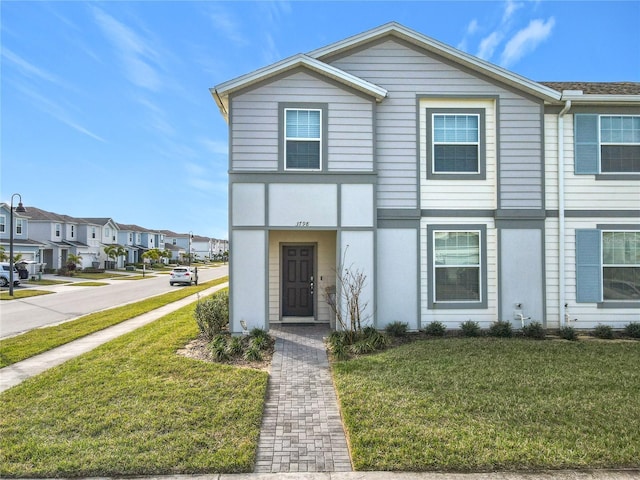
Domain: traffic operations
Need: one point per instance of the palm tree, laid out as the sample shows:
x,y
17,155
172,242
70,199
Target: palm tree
x,y
73,260
111,251
121,252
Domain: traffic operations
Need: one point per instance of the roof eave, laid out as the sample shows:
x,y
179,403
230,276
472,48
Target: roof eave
x,y
602,99
445,51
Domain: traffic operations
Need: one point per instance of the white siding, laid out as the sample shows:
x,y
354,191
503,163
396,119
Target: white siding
x,y
248,278
460,194
452,318
315,205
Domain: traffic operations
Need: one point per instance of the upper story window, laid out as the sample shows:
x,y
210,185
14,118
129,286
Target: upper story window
x,y
619,144
130,237
455,143
138,238
93,232
302,139
107,232
58,229
3,223
607,145
19,226
73,231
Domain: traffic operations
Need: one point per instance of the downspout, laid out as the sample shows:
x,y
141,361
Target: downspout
x,y
561,230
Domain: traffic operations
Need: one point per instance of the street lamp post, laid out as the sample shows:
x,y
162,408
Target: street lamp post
x,y
190,238
19,209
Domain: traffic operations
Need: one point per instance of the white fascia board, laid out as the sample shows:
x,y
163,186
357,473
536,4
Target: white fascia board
x,y
221,92
602,99
445,51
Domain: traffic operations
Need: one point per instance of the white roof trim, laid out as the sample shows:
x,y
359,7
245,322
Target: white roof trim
x,y
443,50
222,91
577,98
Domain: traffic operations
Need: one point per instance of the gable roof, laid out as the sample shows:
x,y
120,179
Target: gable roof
x,y
221,92
394,29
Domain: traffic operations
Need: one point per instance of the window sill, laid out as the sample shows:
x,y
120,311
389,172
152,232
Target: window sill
x,y
619,304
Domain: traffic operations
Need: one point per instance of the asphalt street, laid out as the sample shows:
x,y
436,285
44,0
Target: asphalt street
x,y
69,302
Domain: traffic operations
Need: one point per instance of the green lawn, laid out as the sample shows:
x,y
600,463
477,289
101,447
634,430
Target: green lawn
x,y
484,404
22,294
88,284
40,340
134,407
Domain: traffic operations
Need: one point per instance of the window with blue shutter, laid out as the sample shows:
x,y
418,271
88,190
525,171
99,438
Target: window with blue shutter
x,y
588,266
606,144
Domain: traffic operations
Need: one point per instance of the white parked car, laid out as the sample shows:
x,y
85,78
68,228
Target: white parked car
x,y
184,275
4,274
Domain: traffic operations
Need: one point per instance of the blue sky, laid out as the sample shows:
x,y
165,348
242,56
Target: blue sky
x,y
106,110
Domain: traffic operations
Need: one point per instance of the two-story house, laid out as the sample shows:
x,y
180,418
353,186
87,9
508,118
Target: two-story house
x,y
24,248
460,190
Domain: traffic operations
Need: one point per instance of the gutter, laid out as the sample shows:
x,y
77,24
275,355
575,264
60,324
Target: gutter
x,y
561,227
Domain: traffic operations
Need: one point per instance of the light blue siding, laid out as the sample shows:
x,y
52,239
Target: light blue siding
x,y
588,266
587,147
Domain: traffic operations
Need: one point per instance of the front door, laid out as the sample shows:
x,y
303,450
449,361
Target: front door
x,y
297,280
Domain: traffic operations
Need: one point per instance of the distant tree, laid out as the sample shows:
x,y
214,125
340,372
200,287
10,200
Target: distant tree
x,y
166,254
73,260
3,255
111,251
153,255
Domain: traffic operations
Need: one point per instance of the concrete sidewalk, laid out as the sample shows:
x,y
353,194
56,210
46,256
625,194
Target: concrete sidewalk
x,y
544,475
18,372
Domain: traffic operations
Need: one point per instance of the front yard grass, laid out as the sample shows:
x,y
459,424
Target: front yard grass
x,y
134,407
22,294
493,404
88,284
40,340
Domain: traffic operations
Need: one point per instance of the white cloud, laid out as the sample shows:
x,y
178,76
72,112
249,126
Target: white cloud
x,y
488,45
472,27
226,25
510,8
526,40
135,53
27,68
49,106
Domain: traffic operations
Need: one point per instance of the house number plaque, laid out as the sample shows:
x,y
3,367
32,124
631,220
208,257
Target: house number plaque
x,y
302,224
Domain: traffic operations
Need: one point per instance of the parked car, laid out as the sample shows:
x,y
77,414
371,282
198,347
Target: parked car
x,y
184,275
4,274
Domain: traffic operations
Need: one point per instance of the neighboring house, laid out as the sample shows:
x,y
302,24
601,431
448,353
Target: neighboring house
x,y
102,232
462,191
62,235
137,240
23,247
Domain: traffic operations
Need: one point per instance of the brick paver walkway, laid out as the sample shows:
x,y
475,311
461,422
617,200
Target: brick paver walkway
x,y
301,427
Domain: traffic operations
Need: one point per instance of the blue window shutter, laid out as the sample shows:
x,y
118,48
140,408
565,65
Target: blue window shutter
x,y
588,266
586,144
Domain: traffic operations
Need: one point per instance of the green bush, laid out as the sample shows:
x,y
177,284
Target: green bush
x,y
343,344
501,329
234,346
252,353
212,314
603,331
568,333
534,330
470,328
632,330
338,345
436,329
397,329
218,347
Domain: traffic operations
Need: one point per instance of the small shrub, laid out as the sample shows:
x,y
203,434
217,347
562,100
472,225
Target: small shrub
x,y
252,353
259,342
436,329
501,329
470,328
212,314
397,329
259,333
234,347
568,333
632,330
218,347
534,330
361,347
377,340
603,331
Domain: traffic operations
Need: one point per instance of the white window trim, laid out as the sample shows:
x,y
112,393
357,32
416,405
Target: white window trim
x,y
601,144
319,140
3,223
434,143
19,226
604,265
57,230
479,266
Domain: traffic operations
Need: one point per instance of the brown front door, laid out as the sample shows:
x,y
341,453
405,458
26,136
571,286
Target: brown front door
x,y
297,280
